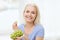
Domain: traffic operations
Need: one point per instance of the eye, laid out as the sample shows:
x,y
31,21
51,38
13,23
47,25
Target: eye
x,y
27,11
33,12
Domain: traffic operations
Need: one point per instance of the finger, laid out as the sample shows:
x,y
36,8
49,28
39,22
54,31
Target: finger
x,y
15,23
15,27
18,38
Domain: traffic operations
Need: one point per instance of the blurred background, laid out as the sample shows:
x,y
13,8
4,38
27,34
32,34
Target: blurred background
x,y
12,10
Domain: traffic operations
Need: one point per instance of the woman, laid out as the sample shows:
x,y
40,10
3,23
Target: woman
x,y
32,29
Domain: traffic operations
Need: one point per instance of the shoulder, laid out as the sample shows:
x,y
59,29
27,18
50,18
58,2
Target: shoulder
x,y
39,26
40,30
20,26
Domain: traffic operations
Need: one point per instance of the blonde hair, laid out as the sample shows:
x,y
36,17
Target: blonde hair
x,y
37,19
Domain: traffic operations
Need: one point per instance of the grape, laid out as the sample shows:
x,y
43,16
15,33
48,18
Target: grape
x,y
17,33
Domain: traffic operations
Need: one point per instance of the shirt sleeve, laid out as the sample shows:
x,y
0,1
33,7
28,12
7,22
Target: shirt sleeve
x,y
20,27
40,33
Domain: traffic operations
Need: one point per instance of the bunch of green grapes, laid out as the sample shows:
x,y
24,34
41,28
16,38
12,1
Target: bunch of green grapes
x,y
17,33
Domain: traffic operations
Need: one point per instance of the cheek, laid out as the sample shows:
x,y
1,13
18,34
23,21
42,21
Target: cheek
x,y
34,15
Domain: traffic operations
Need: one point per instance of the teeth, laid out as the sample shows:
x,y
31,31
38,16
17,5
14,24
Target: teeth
x,y
29,17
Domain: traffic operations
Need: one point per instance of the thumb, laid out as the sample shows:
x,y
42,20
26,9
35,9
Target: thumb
x,y
15,25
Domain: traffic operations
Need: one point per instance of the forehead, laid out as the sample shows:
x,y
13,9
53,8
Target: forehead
x,y
30,7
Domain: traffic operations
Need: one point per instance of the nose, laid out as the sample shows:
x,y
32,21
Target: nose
x,y
29,14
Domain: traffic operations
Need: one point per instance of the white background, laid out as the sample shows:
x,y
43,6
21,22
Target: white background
x,y
49,10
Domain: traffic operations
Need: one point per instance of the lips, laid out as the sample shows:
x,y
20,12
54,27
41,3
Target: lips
x,y
29,18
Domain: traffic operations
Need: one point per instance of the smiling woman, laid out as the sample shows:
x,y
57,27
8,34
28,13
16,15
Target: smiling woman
x,y
32,29
34,12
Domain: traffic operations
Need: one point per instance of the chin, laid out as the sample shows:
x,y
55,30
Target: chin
x,y
29,21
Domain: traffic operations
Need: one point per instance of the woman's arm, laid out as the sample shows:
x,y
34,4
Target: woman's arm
x,y
40,34
39,38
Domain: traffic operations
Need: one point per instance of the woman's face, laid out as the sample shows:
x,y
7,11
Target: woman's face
x,y
30,14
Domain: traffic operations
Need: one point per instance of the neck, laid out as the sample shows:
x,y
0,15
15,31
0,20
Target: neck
x,y
29,25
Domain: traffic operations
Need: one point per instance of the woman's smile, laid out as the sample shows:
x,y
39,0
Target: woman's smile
x,y
29,18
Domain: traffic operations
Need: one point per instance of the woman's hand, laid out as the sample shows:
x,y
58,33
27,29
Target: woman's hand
x,y
18,38
15,27
25,37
